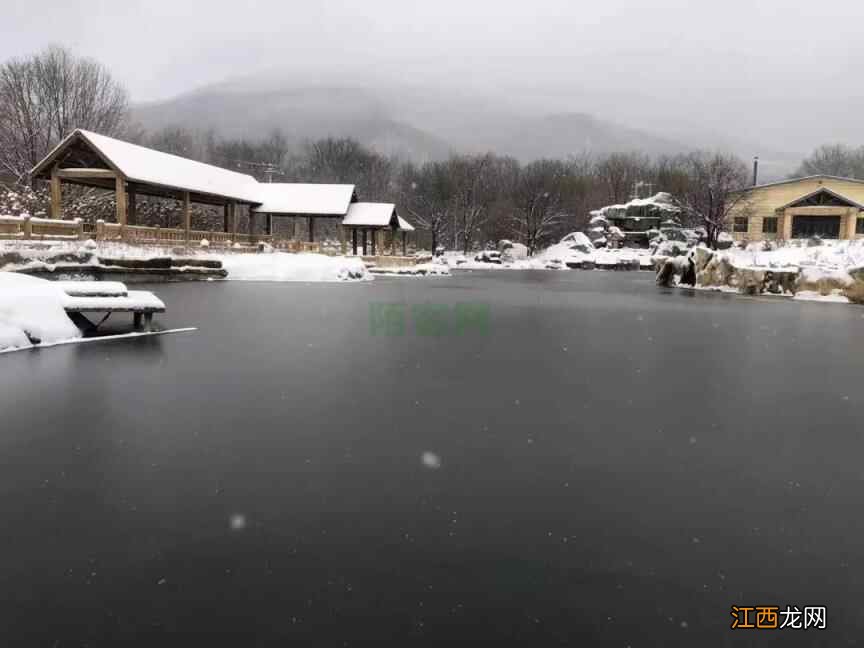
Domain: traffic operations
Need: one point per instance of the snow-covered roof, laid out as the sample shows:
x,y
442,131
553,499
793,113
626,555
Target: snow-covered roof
x,y
364,214
404,225
146,165
295,198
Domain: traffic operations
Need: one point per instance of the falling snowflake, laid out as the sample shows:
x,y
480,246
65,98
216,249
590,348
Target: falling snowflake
x,y
237,522
431,460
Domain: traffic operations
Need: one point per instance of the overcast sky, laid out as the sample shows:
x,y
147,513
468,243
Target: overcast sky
x,y
785,71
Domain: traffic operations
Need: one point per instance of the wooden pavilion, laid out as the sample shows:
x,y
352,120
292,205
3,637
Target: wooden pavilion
x,y
373,221
93,160
129,170
307,201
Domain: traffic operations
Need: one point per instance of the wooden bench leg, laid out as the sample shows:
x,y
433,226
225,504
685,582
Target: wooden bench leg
x,y
136,321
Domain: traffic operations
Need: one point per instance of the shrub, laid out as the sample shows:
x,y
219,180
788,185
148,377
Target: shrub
x,y
855,292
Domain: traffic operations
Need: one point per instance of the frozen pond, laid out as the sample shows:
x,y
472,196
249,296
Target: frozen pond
x,y
587,459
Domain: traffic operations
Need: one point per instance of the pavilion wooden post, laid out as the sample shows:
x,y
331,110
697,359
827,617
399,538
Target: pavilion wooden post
x,y
787,225
232,213
404,243
364,242
56,195
374,234
342,242
270,224
392,242
187,218
120,204
354,239
225,219
133,206
311,229
251,225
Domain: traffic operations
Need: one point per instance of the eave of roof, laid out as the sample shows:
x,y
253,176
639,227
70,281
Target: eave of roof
x,y
801,179
823,190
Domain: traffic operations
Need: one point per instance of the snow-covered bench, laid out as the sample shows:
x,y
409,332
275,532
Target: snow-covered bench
x,y
93,288
109,297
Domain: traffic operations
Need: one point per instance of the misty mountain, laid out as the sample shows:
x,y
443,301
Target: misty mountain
x,y
418,123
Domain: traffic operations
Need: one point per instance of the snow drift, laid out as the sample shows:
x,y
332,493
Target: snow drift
x,y
279,266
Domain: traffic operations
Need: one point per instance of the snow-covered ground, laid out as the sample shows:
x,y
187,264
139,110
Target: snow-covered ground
x,y
280,266
32,312
574,249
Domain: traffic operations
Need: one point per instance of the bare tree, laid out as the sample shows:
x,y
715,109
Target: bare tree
x,y
716,188
44,97
618,173
836,160
538,198
427,195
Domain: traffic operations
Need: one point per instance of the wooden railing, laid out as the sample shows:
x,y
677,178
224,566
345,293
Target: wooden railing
x,y
27,227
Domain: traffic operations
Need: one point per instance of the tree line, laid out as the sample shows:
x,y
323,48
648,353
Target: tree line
x,y
462,202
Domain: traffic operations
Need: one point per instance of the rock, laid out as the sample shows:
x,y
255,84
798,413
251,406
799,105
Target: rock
x,y
154,262
514,252
11,258
701,257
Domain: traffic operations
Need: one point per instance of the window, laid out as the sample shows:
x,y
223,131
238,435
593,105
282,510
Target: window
x,y
769,225
859,226
740,224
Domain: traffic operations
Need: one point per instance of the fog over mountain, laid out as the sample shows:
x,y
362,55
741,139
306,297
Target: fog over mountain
x,y
764,77
423,122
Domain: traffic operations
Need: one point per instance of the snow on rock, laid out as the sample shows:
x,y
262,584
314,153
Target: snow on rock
x,y
280,266
828,271
578,241
32,312
511,251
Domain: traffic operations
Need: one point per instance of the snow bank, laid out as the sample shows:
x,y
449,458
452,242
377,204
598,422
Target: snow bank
x,y
827,271
32,312
280,266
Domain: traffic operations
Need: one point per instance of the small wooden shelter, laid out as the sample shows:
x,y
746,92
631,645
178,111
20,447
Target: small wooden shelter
x,y
373,220
309,201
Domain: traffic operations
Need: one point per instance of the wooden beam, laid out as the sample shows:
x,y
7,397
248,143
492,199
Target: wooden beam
x,y
311,229
341,237
374,234
364,242
232,213
56,195
354,239
187,216
225,223
404,243
269,224
84,174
